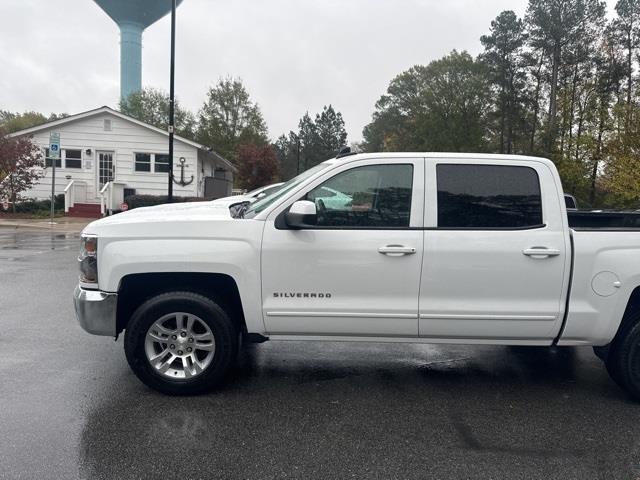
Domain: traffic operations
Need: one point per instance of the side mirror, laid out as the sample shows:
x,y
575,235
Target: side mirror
x,y
301,214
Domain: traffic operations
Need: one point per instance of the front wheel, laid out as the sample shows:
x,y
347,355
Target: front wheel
x,y
181,343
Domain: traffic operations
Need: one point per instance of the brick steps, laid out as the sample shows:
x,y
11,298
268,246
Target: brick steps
x,y
85,210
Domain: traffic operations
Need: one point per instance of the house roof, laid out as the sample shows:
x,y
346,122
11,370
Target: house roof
x,y
105,109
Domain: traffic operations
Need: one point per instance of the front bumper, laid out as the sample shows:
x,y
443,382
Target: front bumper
x,y
96,311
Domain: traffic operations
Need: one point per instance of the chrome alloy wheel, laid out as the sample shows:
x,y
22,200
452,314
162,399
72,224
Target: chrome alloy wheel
x,y
179,345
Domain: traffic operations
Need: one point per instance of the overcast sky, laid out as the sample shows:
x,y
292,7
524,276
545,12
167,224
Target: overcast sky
x,y
293,55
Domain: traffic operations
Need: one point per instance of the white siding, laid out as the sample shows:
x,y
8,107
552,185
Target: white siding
x,y
124,139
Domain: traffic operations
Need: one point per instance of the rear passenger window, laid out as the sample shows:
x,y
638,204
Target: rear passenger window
x,y
488,196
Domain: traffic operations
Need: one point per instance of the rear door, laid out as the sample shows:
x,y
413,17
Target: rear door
x,y
496,258
357,272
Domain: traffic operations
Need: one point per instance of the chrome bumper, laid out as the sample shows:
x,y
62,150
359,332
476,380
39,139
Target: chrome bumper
x,y
96,311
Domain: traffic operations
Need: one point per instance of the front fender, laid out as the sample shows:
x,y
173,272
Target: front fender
x,y
239,259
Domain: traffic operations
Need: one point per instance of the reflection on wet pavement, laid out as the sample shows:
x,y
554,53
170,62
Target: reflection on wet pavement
x,y
15,244
377,411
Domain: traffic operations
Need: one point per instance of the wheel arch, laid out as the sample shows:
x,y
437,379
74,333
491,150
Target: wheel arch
x,y
135,289
631,312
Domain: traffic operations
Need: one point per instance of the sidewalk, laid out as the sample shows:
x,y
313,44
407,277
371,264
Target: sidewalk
x,y
62,224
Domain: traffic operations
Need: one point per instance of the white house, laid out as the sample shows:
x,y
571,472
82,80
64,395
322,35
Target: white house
x,y
106,155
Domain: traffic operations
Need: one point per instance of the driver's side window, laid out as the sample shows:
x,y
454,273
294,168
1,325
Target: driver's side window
x,y
375,196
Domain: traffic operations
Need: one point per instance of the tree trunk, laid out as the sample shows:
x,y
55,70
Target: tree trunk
x,y
579,134
553,106
563,116
598,156
510,136
630,76
511,107
536,108
502,120
571,111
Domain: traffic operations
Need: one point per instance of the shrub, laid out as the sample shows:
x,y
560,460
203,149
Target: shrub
x,y
38,206
137,201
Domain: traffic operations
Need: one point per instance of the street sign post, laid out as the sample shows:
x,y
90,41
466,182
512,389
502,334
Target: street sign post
x,y
54,155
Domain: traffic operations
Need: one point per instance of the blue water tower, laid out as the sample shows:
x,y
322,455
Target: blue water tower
x,y
133,16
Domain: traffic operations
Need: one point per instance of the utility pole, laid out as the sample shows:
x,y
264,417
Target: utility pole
x,y
172,99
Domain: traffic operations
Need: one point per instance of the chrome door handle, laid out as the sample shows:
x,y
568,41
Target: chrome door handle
x,y
396,250
541,252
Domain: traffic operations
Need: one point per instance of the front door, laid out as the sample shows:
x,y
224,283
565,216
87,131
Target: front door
x,y
496,261
105,168
357,272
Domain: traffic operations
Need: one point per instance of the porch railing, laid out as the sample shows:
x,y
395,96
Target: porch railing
x,y
111,196
75,191
106,194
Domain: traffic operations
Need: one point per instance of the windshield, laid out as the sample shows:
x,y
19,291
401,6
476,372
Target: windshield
x,y
261,190
270,190
260,205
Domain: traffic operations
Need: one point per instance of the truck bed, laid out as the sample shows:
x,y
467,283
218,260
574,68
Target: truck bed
x,y
604,220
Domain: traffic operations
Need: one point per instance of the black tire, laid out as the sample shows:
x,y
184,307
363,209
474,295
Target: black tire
x,y
623,362
224,331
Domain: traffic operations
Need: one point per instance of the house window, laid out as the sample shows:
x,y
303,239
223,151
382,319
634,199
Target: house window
x,y
161,164
48,161
143,162
73,158
107,125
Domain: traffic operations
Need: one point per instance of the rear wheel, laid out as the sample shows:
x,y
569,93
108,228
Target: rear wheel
x,y
623,362
181,343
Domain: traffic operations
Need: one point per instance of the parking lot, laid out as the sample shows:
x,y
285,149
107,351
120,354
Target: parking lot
x,y
71,408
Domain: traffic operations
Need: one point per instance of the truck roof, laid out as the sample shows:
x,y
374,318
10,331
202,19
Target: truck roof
x,y
470,156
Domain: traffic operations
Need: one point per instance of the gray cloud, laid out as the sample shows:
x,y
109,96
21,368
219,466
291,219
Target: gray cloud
x,y
293,55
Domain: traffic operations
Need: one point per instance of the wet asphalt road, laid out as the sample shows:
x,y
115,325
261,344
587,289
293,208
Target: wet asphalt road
x,y
71,408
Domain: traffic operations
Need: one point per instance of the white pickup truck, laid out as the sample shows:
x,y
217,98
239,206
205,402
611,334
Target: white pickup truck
x,y
414,247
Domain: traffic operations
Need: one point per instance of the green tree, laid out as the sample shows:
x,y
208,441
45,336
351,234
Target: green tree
x,y
309,142
12,122
552,26
626,32
440,107
563,83
622,171
151,105
609,73
503,55
315,141
330,131
287,148
229,118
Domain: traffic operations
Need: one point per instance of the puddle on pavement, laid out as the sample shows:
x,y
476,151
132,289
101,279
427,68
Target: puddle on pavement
x,y
37,242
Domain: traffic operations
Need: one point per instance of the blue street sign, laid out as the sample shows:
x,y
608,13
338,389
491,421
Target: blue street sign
x,y
54,145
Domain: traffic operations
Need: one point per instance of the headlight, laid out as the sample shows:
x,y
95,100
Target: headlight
x,y
88,260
